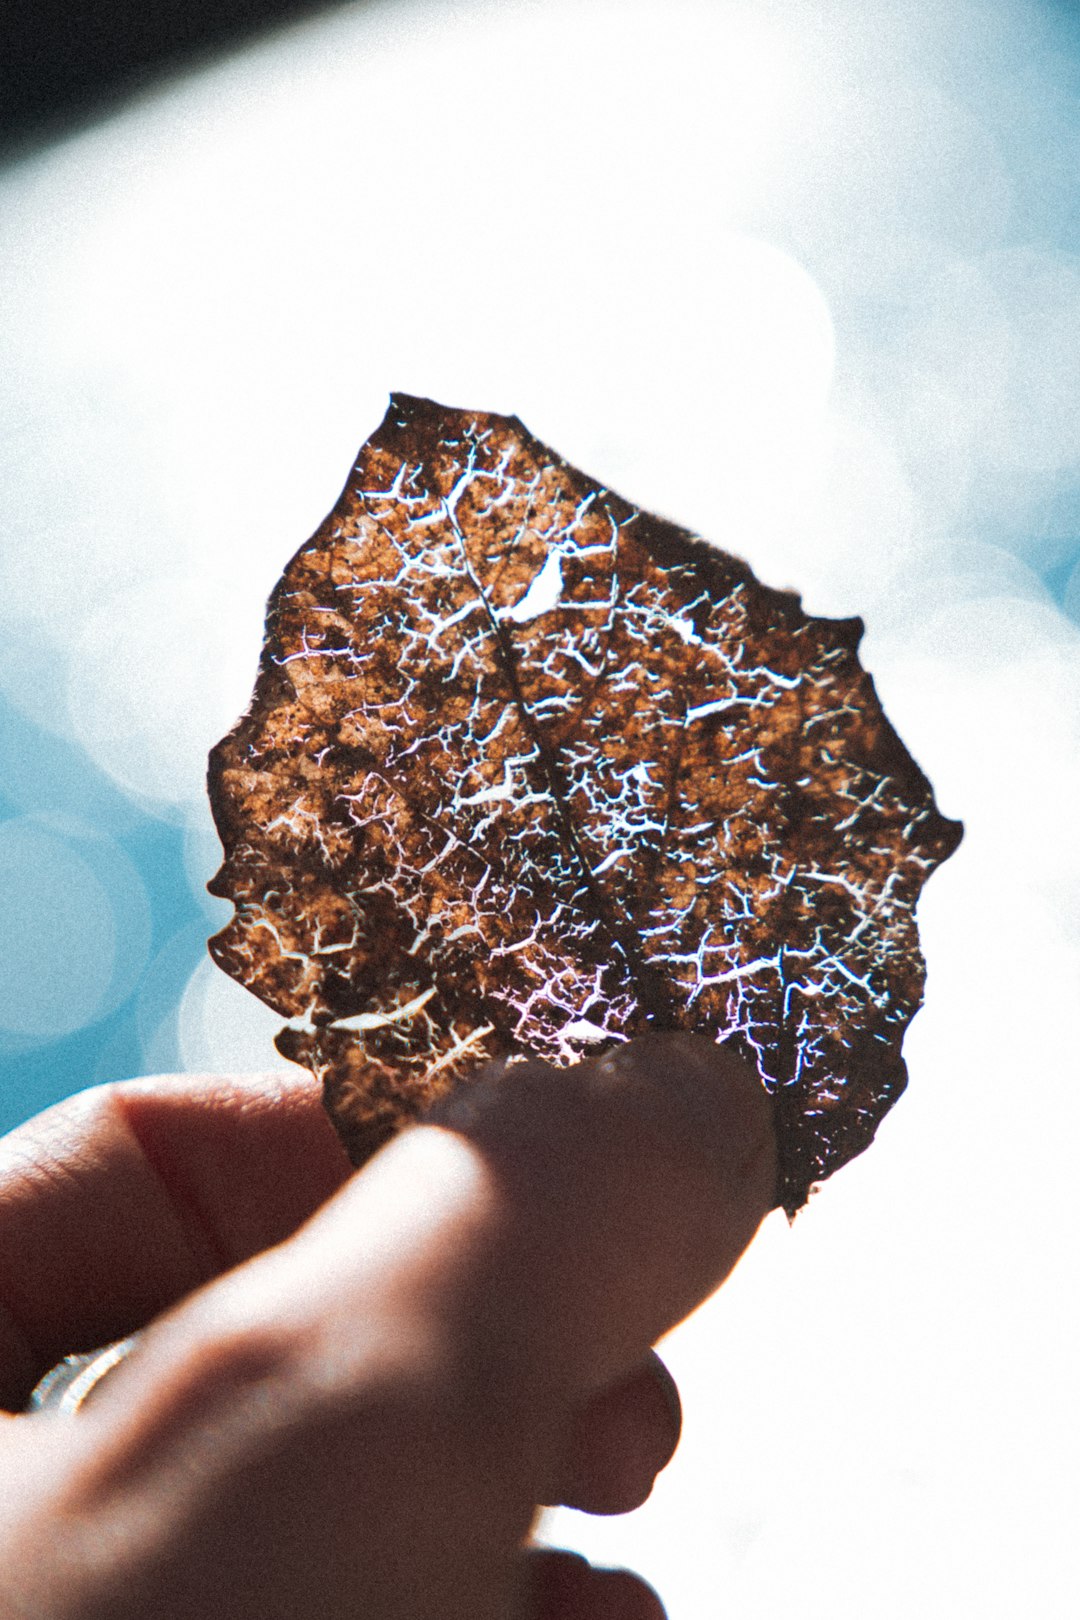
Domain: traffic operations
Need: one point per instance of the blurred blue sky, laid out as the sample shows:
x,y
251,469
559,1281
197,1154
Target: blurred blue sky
x,y
53,781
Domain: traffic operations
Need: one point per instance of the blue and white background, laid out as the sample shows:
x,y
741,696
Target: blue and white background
x,y
802,276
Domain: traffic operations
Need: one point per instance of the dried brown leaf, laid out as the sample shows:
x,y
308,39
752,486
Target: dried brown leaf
x,y
528,770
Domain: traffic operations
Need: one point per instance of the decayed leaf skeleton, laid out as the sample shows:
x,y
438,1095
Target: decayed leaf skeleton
x,y
527,769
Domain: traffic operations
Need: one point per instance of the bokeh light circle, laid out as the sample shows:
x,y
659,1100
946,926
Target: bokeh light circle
x,y
74,918
224,1029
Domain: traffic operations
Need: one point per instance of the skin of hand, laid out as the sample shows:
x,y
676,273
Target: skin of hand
x,y
357,1388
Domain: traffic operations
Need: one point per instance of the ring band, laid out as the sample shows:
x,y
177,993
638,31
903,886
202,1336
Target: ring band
x,y
69,1385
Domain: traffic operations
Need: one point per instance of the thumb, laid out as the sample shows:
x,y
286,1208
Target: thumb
x,y
629,1187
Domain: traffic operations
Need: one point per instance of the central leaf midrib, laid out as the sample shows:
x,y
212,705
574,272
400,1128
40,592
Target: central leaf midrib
x,y
652,993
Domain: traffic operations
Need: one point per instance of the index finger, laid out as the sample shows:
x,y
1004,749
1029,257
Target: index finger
x,y
123,1199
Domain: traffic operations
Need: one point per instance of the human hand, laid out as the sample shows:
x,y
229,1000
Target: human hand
x,y
372,1380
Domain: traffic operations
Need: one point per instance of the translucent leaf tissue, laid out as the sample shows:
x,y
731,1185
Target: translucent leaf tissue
x,y
527,770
